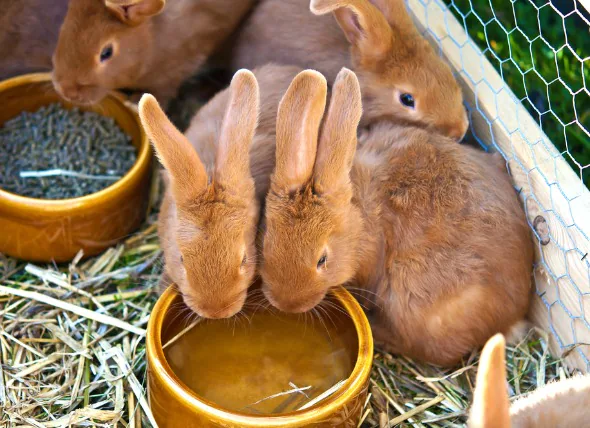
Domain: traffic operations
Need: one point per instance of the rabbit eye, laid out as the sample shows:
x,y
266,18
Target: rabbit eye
x,y
322,261
106,53
407,100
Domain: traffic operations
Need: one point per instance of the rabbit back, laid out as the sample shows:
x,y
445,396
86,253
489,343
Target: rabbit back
x,y
458,253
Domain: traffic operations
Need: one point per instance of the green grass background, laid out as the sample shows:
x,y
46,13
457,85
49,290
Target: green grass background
x,y
532,45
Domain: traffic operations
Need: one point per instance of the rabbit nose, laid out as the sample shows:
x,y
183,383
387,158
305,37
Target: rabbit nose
x,y
457,131
216,311
294,306
72,87
457,135
68,90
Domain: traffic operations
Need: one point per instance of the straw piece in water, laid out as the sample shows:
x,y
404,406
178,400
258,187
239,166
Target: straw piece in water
x,y
182,332
280,394
323,395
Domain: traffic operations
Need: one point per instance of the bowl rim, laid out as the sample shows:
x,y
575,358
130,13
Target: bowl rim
x,y
352,387
70,205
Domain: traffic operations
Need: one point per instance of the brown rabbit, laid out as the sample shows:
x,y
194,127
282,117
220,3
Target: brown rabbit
x,y
28,34
558,404
434,229
208,226
401,76
144,45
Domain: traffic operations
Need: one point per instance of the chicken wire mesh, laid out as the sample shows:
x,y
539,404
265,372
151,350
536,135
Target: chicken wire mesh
x,y
525,69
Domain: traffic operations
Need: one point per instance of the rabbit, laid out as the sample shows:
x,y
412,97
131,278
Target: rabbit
x,y
205,225
401,76
558,404
215,176
434,230
28,35
142,45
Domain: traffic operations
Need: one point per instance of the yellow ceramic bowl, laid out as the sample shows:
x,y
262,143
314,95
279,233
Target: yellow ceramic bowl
x,y
173,404
45,230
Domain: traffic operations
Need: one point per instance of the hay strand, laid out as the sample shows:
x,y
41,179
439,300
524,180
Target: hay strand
x,y
83,312
55,323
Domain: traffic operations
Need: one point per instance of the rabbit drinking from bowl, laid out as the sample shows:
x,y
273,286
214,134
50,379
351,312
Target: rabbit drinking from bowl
x,y
434,230
216,175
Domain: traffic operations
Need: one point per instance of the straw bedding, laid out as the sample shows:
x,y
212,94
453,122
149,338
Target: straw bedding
x,y
83,363
72,347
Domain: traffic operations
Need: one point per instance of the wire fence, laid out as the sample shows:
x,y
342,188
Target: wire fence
x,y
525,68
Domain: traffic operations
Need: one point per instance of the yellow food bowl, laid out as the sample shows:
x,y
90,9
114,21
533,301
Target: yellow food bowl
x,y
174,404
45,229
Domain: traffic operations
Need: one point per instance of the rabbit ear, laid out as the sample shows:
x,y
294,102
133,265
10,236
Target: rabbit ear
x,y
490,407
187,173
397,15
363,24
298,121
134,12
338,141
232,164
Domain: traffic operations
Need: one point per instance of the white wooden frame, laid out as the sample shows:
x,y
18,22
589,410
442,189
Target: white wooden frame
x,y
548,185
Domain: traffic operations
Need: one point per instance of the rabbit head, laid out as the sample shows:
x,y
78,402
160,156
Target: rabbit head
x,y
401,75
210,251
312,228
102,46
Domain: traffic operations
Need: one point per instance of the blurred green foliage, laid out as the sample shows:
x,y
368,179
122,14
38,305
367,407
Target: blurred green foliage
x,y
539,47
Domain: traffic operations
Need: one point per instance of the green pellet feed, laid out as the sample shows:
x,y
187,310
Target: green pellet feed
x,y
56,153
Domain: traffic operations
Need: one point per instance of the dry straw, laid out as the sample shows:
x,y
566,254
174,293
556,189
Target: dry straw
x,y
72,339
72,350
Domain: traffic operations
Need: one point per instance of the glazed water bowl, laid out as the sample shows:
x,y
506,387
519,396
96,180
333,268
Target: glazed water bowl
x,y
174,404
56,230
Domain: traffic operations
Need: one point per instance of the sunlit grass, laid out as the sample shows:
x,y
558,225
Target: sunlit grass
x,y
540,54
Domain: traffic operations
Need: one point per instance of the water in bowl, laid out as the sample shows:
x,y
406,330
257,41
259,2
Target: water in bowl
x,y
239,364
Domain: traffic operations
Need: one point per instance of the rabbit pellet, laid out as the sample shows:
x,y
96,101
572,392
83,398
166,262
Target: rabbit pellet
x,y
56,153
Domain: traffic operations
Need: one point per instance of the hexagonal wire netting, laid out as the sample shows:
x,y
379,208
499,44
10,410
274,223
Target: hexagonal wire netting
x,y
540,50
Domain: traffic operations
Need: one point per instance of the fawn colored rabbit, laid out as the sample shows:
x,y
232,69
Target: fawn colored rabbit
x,y
401,76
143,45
216,174
561,404
28,34
434,230
207,228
